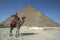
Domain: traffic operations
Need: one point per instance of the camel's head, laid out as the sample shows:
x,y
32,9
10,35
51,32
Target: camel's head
x,y
23,17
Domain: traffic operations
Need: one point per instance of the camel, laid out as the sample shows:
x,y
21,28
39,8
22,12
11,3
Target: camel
x,y
16,21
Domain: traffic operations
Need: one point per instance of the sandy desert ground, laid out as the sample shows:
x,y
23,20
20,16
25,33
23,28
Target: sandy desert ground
x,y
32,33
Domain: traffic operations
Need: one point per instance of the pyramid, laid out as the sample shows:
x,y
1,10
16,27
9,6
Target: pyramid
x,y
33,18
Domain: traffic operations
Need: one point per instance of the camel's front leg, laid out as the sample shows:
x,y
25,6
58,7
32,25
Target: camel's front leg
x,y
17,31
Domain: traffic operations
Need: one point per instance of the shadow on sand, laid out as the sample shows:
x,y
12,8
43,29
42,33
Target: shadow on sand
x,y
26,34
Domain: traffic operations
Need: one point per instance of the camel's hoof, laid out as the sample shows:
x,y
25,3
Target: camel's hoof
x,y
10,34
17,35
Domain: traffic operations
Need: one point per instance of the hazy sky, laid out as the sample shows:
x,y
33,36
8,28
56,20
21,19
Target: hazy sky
x,y
50,8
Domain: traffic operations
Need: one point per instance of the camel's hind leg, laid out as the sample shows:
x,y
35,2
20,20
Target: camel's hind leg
x,y
11,31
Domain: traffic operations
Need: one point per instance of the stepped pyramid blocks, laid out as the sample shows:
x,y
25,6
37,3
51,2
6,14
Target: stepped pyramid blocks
x,y
33,18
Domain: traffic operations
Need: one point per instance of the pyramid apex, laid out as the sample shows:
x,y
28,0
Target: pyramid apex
x,y
29,6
